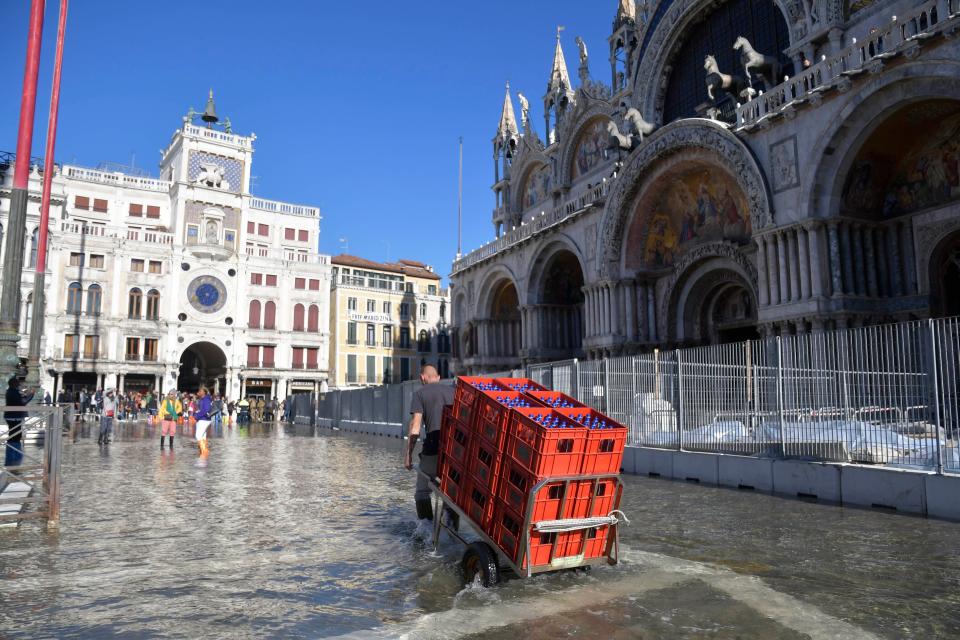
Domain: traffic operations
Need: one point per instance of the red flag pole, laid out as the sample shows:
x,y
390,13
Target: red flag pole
x,y
48,164
17,219
39,275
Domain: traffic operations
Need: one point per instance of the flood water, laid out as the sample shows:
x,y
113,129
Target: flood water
x,y
302,533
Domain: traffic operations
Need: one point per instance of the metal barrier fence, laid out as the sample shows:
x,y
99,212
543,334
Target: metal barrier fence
x,y
31,488
876,395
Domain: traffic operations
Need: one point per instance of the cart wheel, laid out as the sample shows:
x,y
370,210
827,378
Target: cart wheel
x,y
480,559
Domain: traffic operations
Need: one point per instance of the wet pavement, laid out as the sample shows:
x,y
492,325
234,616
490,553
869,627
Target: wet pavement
x,y
295,532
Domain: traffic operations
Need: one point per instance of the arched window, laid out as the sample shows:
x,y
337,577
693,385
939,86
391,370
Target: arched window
x,y
153,305
34,243
27,314
759,21
423,341
298,317
135,304
74,298
270,315
313,319
94,299
423,310
253,320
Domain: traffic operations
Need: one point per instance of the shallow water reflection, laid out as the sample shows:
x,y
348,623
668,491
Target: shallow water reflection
x,y
291,532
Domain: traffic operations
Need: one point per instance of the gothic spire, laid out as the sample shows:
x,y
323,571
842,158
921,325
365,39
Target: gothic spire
x,y
508,122
559,76
627,10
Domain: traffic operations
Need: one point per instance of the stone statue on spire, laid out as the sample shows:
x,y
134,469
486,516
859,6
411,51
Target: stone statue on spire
x,y
524,110
627,10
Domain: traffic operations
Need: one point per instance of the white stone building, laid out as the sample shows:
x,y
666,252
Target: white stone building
x,y
179,281
819,186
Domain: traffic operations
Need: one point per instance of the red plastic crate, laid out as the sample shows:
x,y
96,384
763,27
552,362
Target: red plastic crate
x,y
523,385
597,540
455,482
479,506
545,451
492,416
553,398
603,452
592,498
465,394
456,440
515,484
483,464
506,528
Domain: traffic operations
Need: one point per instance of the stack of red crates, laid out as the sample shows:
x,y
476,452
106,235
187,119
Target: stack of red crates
x,y
501,437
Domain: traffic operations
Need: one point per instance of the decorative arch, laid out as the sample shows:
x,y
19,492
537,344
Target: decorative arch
x,y
94,299
597,110
253,318
74,298
135,304
298,317
535,188
542,254
666,32
677,142
270,315
313,319
943,272
870,106
488,285
697,285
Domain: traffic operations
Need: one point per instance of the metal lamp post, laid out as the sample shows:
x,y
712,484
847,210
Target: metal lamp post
x,y
39,278
17,221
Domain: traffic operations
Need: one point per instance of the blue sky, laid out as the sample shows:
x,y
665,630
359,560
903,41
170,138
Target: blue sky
x,y
357,106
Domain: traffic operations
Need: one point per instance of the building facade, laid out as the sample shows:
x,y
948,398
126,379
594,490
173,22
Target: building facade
x,y
750,168
386,320
178,281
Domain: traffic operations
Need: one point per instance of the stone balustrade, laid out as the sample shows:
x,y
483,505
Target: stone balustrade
x,y
149,236
567,209
115,178
900,36
219,136
274,206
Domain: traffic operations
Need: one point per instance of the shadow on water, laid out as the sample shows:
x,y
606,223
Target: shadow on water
x,y
295,532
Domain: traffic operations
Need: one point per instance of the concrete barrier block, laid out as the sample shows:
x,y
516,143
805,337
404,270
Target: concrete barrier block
x,y
746,473
807,480
695,467
655,462
886,488
943,496
629,464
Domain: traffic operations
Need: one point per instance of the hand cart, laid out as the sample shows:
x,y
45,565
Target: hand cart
x,y
485,558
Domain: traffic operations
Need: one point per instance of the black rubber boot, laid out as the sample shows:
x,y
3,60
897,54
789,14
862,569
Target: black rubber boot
x,y
424,510
171,443
161,442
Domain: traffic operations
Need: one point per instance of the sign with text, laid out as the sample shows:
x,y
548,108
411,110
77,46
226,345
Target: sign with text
x,y
356,316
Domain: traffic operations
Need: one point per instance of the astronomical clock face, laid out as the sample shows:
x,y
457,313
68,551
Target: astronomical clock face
x,y
207,294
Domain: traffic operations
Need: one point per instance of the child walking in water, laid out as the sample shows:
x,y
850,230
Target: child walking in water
x,y
202,414
170,410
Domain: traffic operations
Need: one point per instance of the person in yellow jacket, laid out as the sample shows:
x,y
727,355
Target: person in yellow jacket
x,y
170,410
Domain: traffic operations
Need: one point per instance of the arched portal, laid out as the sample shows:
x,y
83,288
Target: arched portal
x,y
945,277
558,313
202,364
503,329
712,304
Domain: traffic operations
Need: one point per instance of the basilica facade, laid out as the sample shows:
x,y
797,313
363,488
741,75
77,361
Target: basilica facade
x,y
177,281
747,168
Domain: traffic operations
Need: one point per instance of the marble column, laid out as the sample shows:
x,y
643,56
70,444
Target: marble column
x,y
866,233
815,262
782,259
909,259
846,254
763,293
640,293
836,266
803,246
652,312
884,287
859,261
630,295
794,265
773,271
893,261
